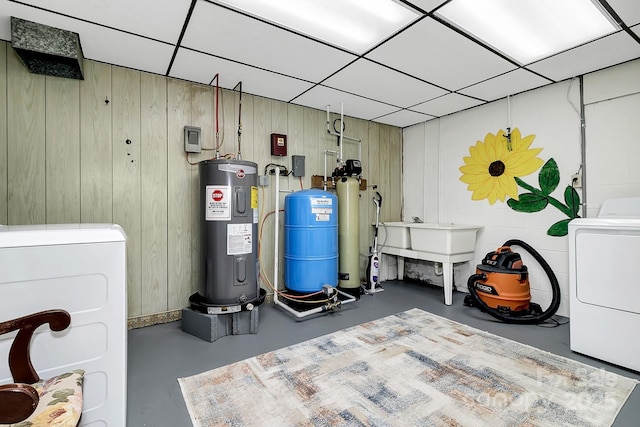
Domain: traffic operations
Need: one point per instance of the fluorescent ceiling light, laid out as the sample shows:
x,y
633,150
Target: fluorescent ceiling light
x,y
529,30
355,25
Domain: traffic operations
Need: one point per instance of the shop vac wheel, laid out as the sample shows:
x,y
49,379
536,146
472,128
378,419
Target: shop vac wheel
x,y
535,309
469,301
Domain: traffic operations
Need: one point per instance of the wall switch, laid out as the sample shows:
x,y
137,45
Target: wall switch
x,y
297,165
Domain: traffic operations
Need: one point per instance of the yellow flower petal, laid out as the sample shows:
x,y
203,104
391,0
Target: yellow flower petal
x,y
518,161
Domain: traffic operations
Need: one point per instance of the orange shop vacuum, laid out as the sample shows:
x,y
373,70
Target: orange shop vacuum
x,y
501,286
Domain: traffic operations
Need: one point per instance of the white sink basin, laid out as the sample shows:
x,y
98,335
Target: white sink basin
x,y
394,234
446,239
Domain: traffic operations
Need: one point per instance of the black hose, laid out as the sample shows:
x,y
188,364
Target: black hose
x,y
524,319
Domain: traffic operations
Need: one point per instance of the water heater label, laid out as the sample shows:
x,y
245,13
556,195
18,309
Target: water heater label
x,y
218,203
239,239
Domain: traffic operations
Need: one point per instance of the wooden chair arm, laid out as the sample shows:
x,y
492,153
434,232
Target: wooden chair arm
x,y
18,402
19,355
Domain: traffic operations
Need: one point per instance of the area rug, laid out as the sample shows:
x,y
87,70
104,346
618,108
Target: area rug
x,y
410,369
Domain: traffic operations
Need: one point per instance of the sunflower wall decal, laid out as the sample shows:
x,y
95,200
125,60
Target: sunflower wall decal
x,y
493,171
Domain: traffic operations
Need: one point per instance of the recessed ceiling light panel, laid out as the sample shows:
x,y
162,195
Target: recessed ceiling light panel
x,y
354,25
529,30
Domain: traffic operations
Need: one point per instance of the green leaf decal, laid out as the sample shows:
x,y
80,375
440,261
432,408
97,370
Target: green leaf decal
x,y
560,228
549,177
572,199
528,203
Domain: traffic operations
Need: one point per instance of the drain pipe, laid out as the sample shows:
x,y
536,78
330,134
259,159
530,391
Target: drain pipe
x,y
583,148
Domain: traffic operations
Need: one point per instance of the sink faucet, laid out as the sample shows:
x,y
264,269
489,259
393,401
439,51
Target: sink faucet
x,y
417,220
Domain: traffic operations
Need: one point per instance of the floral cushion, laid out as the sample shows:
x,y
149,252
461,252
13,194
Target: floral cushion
x,y
60,401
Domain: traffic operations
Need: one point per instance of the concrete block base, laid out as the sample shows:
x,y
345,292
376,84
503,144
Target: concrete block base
x,y
210,327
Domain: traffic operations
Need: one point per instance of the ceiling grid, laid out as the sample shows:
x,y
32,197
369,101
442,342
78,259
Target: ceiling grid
x,y
425,69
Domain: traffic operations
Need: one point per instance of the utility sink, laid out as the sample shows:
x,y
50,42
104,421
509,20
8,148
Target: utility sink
x,y
446,239
394,234
444,243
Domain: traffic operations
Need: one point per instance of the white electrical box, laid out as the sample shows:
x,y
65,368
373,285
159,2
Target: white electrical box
x,y
192,139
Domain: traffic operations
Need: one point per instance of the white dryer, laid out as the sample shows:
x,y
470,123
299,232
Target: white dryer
x,y
80,268
604,255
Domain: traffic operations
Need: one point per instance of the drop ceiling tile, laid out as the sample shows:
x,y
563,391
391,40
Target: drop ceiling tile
x,y
628,10
599,54
355,106
509,83
202,68
368,79
403,118
435,53
114,47
446,104
101,43
7,10
143,17
427,5
228,34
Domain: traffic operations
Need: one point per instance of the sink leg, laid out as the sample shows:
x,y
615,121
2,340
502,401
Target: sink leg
x,y
447,272
400,268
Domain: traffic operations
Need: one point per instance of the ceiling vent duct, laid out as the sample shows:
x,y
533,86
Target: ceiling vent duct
x,y
47,50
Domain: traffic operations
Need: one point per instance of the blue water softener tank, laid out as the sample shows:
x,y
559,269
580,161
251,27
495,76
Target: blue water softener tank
x,y
310,240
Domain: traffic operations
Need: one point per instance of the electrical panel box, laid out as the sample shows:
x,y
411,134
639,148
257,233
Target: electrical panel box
x,y
192,139
297,165
278,144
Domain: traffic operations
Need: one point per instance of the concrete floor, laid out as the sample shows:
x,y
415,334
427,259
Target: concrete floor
x,y
159,354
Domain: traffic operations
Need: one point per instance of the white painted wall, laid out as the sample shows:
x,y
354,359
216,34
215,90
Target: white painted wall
x,y
433,190
612,107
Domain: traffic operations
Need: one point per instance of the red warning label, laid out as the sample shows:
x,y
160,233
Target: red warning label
x,y
217,195
218,206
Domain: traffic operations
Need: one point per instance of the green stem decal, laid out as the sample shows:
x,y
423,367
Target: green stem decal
x,y
538,199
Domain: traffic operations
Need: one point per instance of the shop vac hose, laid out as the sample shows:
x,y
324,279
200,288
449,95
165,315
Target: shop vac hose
x,y
526,319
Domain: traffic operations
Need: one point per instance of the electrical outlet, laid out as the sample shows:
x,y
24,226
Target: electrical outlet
x,y
263,180
576,180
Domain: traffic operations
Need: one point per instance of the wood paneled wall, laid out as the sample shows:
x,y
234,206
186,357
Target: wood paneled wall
x,y
109,149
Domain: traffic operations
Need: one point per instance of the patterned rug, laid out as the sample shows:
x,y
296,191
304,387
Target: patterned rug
x,y
410,369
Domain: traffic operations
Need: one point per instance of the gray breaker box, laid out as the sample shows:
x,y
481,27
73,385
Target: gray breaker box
x,y
210,327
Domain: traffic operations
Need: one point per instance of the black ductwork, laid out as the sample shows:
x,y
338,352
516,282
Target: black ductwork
x,y
47,50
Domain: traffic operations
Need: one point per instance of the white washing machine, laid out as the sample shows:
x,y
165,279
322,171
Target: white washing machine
x,y
80,268
604,280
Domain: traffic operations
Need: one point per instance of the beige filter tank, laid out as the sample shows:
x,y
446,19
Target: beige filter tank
x,y
348,235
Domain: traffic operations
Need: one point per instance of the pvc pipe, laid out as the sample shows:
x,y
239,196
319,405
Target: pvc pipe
x,y
301,314
337,134
276,237
328,128
340,159
324,183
